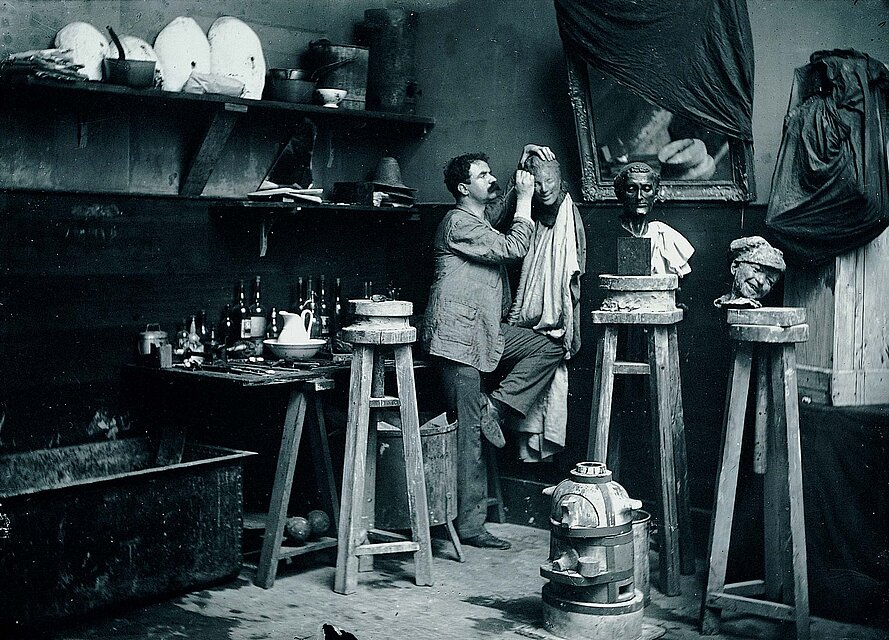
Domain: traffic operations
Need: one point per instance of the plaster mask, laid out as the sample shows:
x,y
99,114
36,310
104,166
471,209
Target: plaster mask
x,y
753,281
547,184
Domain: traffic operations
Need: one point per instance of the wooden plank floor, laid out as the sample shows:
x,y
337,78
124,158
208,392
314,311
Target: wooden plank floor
x,y
495,594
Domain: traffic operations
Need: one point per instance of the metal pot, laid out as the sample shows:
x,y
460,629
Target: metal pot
x,y
152,336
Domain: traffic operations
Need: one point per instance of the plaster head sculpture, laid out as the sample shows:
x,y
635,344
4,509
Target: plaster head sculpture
x,y
636,189
756,267
547,180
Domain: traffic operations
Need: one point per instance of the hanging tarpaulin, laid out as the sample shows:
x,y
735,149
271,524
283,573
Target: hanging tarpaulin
x,y
691,57
829,191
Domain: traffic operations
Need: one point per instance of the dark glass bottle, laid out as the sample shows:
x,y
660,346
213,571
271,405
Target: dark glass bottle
x,y
297,303
338,312
311,304
323,319
242,314
257,313
272,330
228,328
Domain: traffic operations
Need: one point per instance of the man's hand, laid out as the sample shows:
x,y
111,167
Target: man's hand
x,y
524,186
544,153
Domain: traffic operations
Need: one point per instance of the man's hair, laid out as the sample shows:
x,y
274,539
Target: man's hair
x,y
620,181
456,171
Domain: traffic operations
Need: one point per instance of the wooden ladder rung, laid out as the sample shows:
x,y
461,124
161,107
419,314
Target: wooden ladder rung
x,y
314,545
754,606
748,588
631,368
384,401
389,536
373,549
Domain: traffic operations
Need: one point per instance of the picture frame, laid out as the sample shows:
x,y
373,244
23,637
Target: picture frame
x,y
615,126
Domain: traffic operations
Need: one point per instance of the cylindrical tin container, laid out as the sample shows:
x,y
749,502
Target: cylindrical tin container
x,y
438,438
391,36
641,562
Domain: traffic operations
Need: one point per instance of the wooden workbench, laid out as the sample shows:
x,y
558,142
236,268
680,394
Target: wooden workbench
x,y
304,384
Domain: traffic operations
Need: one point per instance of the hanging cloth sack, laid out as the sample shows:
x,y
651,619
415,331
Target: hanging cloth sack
x,y
830,189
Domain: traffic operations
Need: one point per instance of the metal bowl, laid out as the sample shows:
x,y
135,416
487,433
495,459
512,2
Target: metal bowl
x,y
299,351
131,73
289,85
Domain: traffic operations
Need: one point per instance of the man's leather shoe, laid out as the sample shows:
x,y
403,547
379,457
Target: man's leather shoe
x,y
491,423
487,541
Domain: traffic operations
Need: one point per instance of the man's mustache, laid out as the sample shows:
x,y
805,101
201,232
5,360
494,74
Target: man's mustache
x,y
494,188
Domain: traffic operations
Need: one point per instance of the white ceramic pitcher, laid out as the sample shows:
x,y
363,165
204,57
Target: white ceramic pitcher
x,y
297,327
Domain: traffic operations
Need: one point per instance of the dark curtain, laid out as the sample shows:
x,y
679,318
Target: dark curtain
x,y
693,58
829,190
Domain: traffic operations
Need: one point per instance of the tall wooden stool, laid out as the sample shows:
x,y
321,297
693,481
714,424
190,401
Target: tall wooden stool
x,y
765,337
378,325
648,302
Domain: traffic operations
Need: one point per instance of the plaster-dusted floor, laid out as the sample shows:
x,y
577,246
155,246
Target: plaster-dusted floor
x,y
495,594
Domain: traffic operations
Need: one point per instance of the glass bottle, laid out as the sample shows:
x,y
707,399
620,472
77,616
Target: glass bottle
x,y
297,303
271,329
242,314
311,305
323,311
228,329
181,338
257,313
338,313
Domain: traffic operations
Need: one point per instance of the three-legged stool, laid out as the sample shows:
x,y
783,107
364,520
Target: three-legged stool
x,y
654,300
764,339
379,325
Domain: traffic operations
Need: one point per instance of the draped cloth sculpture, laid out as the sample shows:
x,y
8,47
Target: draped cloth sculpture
x,y
548,301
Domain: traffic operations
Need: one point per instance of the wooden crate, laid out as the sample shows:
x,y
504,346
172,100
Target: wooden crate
x,y
846,359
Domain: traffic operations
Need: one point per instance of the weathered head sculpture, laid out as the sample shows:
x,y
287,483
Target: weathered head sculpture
x,y
547,179
756,267
636,188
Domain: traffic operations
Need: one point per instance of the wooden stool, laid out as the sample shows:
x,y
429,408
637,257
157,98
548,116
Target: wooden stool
x,y
377,325
767,337
654,299
272,549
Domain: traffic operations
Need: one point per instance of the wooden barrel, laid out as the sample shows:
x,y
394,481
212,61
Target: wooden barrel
x,y
439,442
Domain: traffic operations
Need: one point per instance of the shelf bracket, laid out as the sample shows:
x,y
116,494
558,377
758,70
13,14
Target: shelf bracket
x,y
265,226
197,174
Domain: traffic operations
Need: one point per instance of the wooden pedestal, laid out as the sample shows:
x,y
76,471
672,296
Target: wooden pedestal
x,y
764,339
379,325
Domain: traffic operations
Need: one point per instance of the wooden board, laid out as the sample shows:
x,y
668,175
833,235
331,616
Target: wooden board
x,y
845,361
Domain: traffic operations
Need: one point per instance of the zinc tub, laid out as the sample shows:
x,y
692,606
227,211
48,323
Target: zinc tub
x,y
99,525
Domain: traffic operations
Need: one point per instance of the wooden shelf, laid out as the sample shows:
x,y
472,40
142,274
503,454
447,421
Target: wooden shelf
x,y
224,114
418,125
268,212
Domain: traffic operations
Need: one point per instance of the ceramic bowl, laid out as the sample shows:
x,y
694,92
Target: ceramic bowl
x,y
300,351
331,97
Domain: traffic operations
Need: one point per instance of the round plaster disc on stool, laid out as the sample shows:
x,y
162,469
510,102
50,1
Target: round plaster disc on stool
x,y
87,45
701,171
236,52
181,47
